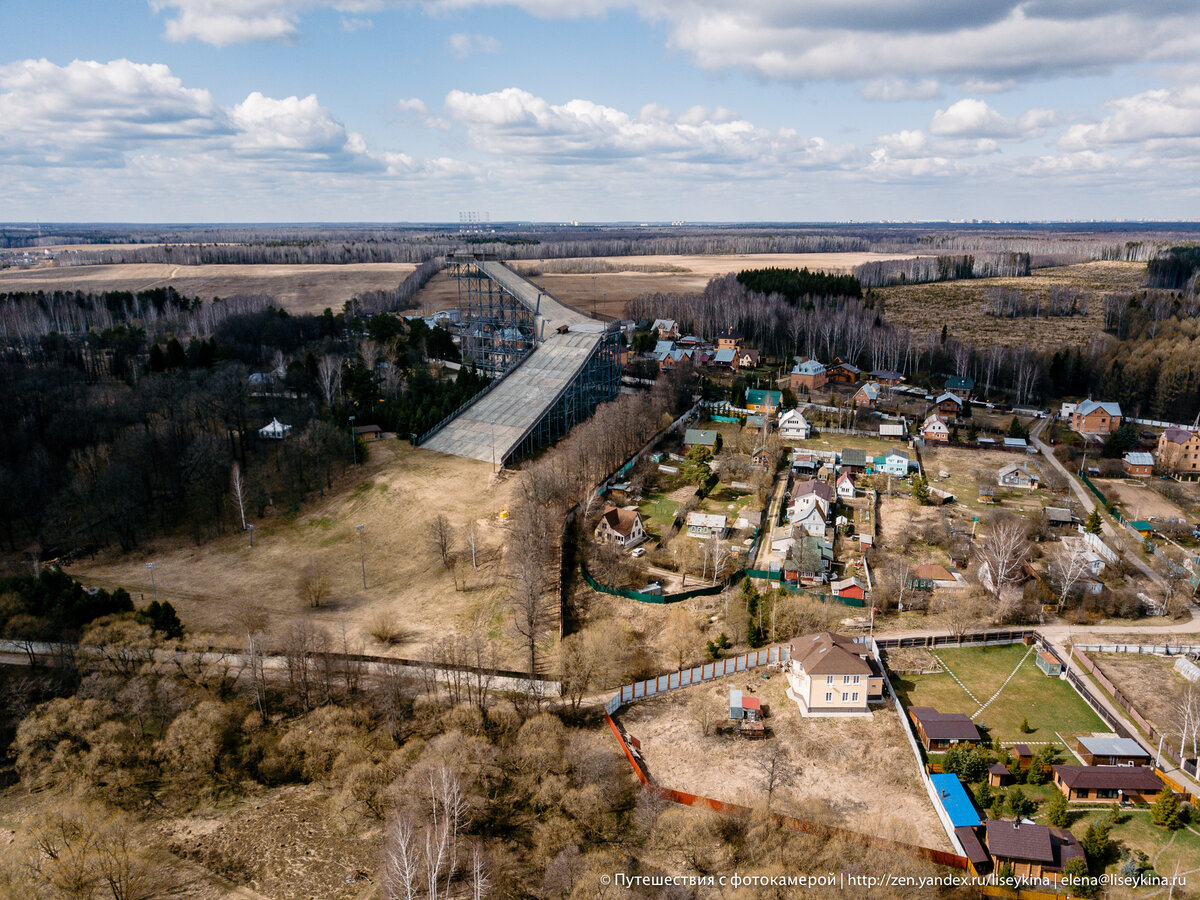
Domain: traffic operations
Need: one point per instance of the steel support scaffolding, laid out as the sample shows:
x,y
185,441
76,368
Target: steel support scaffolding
x,y
497,329
598,381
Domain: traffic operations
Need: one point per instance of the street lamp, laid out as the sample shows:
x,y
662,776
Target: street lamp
x,y
353,442
250,528
153,584
362,553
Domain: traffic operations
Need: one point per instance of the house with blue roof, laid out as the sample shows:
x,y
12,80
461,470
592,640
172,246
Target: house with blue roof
x,y
808,375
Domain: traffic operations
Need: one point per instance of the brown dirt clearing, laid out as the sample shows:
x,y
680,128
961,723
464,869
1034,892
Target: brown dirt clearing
x,y
395,494
1150,682
297,288
855,773
1139,501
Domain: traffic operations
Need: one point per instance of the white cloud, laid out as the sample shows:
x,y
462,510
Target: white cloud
x,y
464,45
91,111
899,49
223,22
356,23
892,90
971,118
514,123
1159,115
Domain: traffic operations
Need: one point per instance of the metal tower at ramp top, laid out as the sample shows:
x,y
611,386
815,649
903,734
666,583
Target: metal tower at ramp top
x,y
553,367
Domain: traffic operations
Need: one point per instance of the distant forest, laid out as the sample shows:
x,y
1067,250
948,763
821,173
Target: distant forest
x,y
792,284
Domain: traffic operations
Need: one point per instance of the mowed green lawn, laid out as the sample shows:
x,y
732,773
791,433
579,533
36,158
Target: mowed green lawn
x,y
1051,705
1135,831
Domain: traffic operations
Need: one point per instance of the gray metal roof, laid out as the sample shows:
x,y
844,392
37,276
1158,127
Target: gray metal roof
x,y
1111,745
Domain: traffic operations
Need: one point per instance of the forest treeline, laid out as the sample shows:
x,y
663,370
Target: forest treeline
x,y
1176,270
946,267
133,428
792,284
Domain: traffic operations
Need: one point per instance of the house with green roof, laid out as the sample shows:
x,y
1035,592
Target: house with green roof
x,y
763,401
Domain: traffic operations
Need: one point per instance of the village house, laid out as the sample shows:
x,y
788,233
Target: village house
x,y
845,486
929,577
1179,450
848,588
622,527
746,359
887,377
763,459
1111,750
1016,475
866,396
730,340
832,674
1137,463
1033,851
793,426
668,329
809,560
1092,417
369,433
808,375
939,731
852,459
948,405
705,525
726,358
763,401
962,385
701,437
935,428
1104,784
810,513
843,373
896,463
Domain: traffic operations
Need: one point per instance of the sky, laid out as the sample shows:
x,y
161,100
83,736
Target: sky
x,y
598,110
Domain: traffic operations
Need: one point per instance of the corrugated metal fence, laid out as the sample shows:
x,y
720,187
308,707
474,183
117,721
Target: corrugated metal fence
x,y
661,684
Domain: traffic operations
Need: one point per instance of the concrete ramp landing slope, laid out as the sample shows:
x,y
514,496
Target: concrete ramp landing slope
x,y
492,428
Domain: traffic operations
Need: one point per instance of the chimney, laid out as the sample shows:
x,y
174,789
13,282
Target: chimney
x,y
1016,823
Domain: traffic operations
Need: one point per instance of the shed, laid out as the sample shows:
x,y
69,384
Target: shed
x,y
1111,750
998,775
735,704
1024,755
1048,664
369,432
1142,527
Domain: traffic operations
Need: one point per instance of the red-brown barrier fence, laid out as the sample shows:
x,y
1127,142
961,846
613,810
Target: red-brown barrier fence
x,y
805,826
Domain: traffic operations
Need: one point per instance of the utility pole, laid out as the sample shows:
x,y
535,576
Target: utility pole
x,y
362,552
250,528
353,442
153,583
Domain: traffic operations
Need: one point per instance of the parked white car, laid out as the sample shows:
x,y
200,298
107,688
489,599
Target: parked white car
x,y
637,551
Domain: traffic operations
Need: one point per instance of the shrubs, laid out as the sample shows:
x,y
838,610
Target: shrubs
x,y
1165,812
1056,811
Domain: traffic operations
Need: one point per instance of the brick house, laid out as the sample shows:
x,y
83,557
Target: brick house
x,y
1137,463
867,395
1179,450
1104,784
832,674
935,428
808,375
730,340
622,527
1092,417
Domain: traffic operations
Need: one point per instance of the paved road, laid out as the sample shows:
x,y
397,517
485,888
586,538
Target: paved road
x,y
1088,502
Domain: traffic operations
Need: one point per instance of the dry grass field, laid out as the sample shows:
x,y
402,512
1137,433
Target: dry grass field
x,y
609,291
1150,682
970,469
855,773
963,305
396,495
297,288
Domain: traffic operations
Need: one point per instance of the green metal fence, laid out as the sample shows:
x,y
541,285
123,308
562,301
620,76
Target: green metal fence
x,y
1104,501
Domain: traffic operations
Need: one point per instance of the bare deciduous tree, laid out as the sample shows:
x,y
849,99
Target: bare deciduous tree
x,y
1068,570
1002,553
776,769
329,377
312,586
237,487
441,538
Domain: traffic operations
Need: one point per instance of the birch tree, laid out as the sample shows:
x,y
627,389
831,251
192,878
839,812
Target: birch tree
x,y
329,377
238,488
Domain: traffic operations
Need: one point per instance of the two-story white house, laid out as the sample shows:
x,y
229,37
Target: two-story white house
x,y
832,674
793,426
